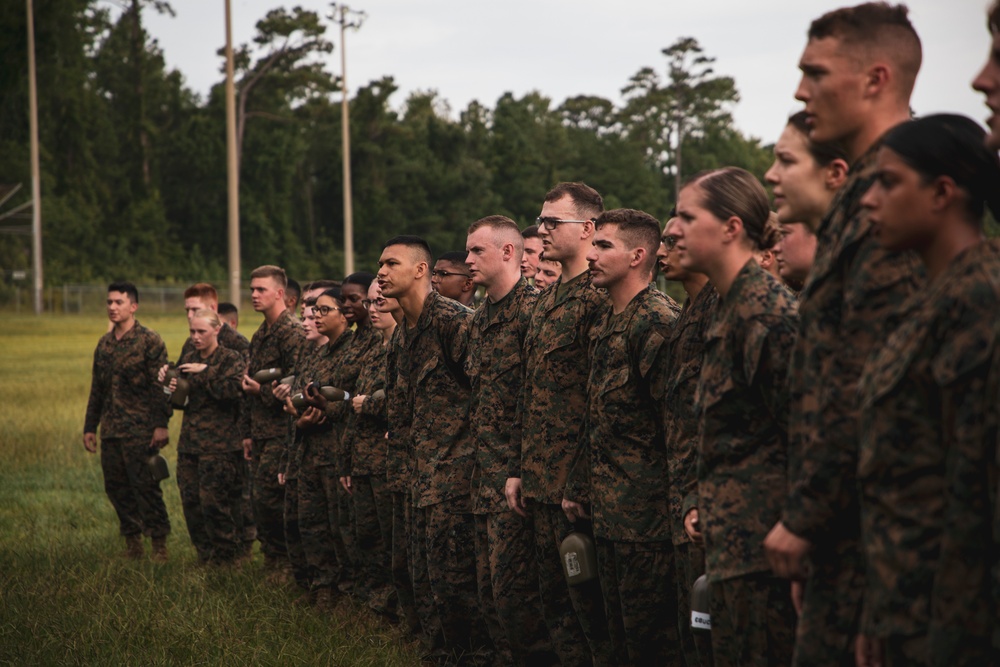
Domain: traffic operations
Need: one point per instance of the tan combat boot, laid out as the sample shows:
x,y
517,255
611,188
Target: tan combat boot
x,y
133,547
160,549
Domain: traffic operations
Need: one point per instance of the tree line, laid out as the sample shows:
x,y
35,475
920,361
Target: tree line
x,y
134,169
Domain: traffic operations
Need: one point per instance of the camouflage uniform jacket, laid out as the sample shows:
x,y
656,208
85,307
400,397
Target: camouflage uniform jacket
x,y
330,365
431,363
495,367
626,453
272,346
743,401
125,398
926,458
366,443
680,411
229,338
548,428
213,407
846,307
399,413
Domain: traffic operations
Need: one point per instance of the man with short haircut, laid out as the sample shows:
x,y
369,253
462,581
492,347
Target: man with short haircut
x,y
430,364
680,414
508,580
451,278
625,461
264,425
230,314
547,433
532,251
548,273
988,80
128,405
858,70
292,295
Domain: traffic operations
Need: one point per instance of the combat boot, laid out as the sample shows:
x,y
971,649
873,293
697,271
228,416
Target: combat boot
x,y
160,549
133,547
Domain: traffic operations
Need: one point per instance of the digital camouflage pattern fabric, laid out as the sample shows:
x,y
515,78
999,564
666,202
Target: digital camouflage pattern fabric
x,y
926,465
849,302
272,346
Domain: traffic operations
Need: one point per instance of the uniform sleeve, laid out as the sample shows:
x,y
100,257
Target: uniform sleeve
x,y
578,482
156,358
96,401
768,351
222,381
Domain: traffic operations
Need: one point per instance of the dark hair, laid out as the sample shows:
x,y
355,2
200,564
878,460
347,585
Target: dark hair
x,y
292,288
993,18
530,232
954,146
204,291
732,191
772,232
638,228
454,257
413,242
275,273
322,283
226,308
125,288
362,278
822,153
875,26
586,200
333,293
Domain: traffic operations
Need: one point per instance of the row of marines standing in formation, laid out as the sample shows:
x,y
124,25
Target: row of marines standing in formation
x,y
842,437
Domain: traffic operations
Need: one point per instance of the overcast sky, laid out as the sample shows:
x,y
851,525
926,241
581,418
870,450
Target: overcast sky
x,y
477,49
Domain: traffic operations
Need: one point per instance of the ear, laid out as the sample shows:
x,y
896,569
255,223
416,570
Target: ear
x,y
638,257
508,251
945,194
420,270
877,79
587,230
766,259
732,229
836,174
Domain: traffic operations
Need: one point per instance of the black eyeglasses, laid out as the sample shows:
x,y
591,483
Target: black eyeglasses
x,y
441,273
323,311
552,223
367,303
669,241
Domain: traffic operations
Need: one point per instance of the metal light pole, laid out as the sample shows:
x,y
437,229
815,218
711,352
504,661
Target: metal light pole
x,y
232,168
347,18
36,184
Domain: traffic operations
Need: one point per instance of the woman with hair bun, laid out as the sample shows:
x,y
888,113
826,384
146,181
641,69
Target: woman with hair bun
x,y
928,451
743,401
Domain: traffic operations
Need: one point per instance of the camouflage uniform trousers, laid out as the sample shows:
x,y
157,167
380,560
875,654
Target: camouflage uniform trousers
x,y
910,652
211,488
319,525
373,538
402,510
246,508
443,566
697,646
269,497
508,589
347,547
753,621
293,536
831,606
574,615
637,579
137,499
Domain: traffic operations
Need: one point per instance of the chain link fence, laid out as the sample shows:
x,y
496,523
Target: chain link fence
x,y
90,299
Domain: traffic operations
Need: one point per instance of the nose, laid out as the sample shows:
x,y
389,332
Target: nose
x,y
801,94
771,175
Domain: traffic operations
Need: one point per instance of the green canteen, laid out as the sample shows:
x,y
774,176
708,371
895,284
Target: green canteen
x,y
287,380
267,376
158,467
701,618
300,402
579,558
333,394
179,398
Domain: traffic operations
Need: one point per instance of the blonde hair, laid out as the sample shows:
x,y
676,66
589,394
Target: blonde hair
x,y
208,315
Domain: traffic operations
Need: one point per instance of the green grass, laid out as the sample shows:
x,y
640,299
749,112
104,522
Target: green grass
x,y
66,594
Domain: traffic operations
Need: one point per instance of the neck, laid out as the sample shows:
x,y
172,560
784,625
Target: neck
x,y
874,128
949,243
503,285
693,284
321,341
123,327
724,274
336,334
623,291
272,314
387,333
412,302
574,266
207,352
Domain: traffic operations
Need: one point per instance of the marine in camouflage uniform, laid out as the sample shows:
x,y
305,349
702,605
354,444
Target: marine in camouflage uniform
x,y
317,450
680,414
264,421
927,456
508,578
430,363
232,339
364,463
743,400
850,300
128,404
210,455
545,440
627,464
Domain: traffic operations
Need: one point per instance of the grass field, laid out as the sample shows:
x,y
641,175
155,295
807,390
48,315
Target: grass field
x,y
66,594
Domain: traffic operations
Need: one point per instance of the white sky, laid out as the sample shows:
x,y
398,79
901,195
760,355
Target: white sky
x,y
480,49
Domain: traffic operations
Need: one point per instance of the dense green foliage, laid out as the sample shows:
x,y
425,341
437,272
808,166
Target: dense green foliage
x,y
134,179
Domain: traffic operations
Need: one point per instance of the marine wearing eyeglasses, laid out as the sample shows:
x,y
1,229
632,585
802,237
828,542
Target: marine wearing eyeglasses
x,y
450,277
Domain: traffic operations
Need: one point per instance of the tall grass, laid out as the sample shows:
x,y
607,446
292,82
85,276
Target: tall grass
x,y
66,594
